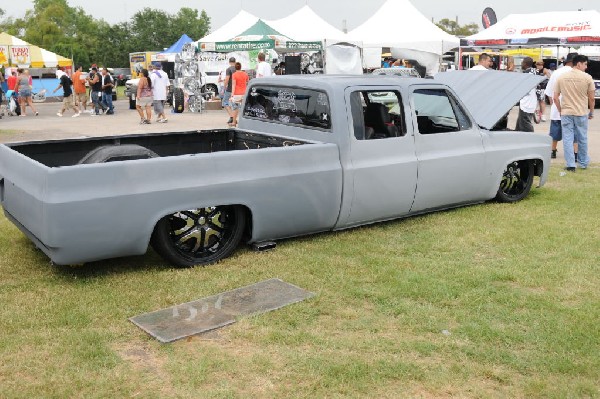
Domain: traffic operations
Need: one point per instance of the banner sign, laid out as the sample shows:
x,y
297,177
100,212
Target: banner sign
x,y
20,55
3,55
225,47
302,46
532,42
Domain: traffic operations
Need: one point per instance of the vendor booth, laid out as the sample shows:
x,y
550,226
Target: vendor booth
x,y
16,53
558,29
547,29
302,57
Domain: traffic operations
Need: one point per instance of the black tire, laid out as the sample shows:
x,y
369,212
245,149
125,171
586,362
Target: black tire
x,y
111,153
516,182
199,236
178,100
132,103
211,88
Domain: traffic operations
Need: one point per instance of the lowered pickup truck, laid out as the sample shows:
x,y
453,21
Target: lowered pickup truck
x,y
311,154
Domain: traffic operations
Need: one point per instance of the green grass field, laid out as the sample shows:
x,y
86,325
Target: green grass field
x,y
492,300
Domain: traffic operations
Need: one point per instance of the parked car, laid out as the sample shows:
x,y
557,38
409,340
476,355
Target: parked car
x,y
312,153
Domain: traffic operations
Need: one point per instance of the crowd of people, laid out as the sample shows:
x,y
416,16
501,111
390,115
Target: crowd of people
x,y
570,92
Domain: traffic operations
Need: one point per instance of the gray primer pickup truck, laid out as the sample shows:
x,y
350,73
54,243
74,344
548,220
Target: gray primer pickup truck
x,y
311,154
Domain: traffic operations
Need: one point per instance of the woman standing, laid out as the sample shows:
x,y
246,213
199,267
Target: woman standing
x,y
238,89
144,98
24,90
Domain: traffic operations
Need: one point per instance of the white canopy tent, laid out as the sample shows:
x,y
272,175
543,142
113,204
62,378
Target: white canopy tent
x,y
239,23
399,25
556,28
305,25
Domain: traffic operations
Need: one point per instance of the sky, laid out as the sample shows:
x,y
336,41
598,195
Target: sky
x,y
354,12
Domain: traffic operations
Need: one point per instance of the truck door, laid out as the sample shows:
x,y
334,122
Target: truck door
x,y
380,175
449,147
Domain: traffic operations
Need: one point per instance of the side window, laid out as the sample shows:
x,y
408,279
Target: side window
x,y
289,106
377,114
438,112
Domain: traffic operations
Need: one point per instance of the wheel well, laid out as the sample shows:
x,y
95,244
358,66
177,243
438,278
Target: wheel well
x,y
247,212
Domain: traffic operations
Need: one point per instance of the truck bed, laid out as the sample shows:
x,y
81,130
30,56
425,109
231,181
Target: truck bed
x,y
59,153
84,212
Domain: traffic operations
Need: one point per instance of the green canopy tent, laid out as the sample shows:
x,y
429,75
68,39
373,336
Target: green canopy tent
x,y
261,31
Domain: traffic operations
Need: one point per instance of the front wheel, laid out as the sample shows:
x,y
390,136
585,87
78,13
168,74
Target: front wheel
x,y
516,182
199,236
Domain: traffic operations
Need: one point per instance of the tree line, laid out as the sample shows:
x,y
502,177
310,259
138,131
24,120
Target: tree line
x,y
72,33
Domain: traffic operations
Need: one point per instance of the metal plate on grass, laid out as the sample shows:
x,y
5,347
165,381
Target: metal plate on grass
x,y
206,314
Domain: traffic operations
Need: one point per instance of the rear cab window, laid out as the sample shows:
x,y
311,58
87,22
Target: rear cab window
x,y
289,106
377,114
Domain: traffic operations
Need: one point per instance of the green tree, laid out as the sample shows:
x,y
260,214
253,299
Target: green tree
x,y
155,30
453,28
70,32
187,21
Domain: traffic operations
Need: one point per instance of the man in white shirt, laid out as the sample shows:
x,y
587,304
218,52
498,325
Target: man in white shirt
x,y
555,127
528,103
160,84
263,69
485,62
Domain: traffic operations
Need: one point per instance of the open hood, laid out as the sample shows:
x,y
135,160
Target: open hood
x,y
489,95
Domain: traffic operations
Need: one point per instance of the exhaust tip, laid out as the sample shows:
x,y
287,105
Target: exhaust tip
x,y
264,246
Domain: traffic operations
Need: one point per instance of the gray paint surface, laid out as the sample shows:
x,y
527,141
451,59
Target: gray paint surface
x,y
84,213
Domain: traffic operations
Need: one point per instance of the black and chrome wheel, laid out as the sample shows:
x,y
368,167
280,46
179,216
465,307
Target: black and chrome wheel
x,y
516,181
199,236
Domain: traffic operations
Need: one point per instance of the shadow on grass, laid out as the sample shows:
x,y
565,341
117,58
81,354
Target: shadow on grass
x,y
115,266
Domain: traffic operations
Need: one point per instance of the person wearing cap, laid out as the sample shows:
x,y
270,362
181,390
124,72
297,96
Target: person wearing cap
x,y
555,126
160,87
228,82
576,107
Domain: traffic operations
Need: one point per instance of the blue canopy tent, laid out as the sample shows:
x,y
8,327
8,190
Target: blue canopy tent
x,y
169,54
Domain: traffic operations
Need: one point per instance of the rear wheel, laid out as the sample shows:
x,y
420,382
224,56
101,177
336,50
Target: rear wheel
x,y
199,236
516,182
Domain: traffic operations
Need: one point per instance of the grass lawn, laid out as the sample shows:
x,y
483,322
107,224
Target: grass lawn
x,y
493,300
